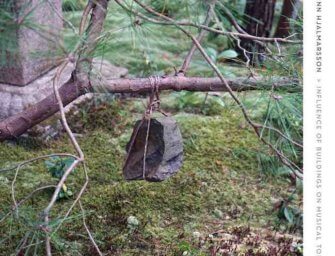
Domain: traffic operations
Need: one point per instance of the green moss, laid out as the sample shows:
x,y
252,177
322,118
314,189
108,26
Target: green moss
x,y
220,174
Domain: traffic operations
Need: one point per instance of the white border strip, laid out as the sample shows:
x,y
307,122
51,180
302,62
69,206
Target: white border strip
x,y
319,128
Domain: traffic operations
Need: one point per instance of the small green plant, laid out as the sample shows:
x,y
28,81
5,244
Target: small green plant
x,y
186,248
56,167
197,102
227,54
290,214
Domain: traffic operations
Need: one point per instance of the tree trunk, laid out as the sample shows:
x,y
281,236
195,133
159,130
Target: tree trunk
x,y
283,28
259,16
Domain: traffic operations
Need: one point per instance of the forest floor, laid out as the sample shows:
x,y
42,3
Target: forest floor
x,y
221,202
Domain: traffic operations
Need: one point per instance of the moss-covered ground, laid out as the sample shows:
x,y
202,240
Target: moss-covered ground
x,y
219,187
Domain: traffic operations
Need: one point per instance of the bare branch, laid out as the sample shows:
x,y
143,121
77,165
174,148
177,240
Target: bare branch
x,y
17,124
201,35
82,71
89,232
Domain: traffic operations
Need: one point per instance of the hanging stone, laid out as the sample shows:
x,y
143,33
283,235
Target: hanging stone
x,y
164,154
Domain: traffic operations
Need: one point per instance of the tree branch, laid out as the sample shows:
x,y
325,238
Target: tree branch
x,y
201,84
255,126
16,125
201,35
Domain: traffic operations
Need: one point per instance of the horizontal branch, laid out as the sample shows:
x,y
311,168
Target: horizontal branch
x,y
17,124
179,83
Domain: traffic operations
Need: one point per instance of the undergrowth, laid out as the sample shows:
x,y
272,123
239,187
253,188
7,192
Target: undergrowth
x,y
219,186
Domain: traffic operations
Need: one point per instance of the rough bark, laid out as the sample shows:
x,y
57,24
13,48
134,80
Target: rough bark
x,y
283,27
259,17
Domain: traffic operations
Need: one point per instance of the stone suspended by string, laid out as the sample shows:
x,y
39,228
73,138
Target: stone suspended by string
x,y
155,149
